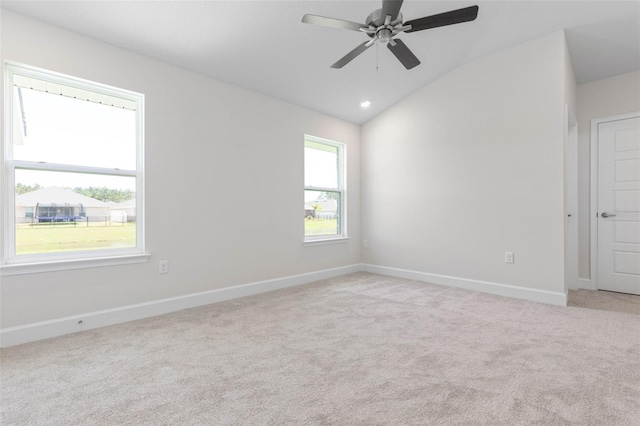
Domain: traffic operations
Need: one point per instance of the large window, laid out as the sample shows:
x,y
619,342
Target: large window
x,y
73,177
324,189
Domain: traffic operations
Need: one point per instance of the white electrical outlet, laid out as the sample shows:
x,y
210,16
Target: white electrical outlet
x,y
365,243
508,257
163,267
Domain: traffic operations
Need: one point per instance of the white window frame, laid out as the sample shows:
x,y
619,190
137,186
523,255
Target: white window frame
x,y
13,264
342,189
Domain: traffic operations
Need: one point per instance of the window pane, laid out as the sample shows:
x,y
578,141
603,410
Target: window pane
x,y
53,128
320,165
61,212
321,212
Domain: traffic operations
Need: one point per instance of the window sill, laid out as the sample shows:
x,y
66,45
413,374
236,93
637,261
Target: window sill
x,y
322,241
64,265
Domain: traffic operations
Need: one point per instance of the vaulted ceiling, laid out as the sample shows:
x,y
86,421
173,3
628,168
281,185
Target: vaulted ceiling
x,y
265,47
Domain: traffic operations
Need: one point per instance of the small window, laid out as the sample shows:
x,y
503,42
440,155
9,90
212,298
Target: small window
x,y
324,189
74,162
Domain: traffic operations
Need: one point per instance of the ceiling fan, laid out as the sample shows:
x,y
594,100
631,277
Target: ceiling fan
x,y
384,24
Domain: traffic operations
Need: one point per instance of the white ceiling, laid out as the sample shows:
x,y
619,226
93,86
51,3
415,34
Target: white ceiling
x,y
264,46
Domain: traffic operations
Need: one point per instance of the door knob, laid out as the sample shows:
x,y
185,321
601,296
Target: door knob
x,y
607,214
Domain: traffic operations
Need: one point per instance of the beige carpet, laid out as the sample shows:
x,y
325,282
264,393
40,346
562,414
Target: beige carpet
x,y
361,349
605,300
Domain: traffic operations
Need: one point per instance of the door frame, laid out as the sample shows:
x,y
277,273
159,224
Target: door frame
x,y
571,230
593,205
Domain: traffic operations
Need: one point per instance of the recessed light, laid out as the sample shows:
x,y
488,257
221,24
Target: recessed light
x,y
365,104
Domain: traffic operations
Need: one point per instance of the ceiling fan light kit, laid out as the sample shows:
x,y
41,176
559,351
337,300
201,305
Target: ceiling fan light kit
x,y
383,25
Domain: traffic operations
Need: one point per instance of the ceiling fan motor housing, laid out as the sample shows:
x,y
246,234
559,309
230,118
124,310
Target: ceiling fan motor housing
x,y
376,18
384,32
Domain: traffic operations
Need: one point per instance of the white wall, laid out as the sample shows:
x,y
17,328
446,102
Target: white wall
x,y
602,98
215,153
471,166
465,169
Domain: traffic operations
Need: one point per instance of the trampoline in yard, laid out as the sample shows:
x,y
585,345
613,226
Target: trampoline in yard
x,y
59,212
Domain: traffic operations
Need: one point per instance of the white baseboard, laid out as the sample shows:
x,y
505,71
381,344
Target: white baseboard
x,y
46,329
531,294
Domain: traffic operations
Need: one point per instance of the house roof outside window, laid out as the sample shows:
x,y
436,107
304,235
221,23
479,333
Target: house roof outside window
x,y
57,195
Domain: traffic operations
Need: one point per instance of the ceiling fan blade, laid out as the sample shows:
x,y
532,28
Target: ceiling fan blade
x,y
404,55
332,22
351,55
442,19
391,7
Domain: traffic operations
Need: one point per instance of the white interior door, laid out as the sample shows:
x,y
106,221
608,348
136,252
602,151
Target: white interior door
x,y
619,205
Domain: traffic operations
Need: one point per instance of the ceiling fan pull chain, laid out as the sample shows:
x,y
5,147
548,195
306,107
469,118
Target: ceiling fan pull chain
x,y
377,50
